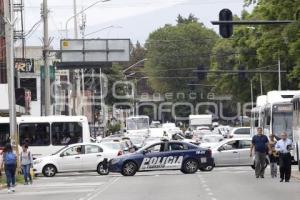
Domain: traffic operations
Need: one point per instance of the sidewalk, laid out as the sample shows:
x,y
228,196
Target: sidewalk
x,y
296,174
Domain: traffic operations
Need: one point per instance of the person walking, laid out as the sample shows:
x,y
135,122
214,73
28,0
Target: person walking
x,y
260,144
284,146
273,156
10,165
26,163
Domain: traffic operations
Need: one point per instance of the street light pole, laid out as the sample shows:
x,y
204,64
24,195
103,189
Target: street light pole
x,y
9,39
76,14
47,96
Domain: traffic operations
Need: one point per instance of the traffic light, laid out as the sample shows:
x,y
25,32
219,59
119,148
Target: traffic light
x,y
226,30
201,75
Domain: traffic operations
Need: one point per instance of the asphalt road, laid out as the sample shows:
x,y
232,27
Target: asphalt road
x,y
230,183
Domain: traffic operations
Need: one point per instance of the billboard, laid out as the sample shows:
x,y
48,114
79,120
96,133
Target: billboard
x,y
24,65
95,50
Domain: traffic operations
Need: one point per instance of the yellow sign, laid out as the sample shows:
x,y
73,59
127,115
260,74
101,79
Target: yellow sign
x,y
65,43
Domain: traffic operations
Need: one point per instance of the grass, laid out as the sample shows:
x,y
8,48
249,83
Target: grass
x,y
19,179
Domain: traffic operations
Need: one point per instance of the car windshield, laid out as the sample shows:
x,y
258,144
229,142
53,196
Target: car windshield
x,y
60,150
113,145
212,139
137,123
137,140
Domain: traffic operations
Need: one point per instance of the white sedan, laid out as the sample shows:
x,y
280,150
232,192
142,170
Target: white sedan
x,y
75,158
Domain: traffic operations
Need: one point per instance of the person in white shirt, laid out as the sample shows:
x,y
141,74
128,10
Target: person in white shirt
x,y
283,147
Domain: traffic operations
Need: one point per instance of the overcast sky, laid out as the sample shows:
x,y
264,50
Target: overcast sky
x,y
133,19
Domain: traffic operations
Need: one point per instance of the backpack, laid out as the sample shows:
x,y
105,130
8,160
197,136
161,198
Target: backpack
x,y
10,158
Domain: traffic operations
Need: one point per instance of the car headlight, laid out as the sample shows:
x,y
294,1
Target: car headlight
x,y
37,161
114,161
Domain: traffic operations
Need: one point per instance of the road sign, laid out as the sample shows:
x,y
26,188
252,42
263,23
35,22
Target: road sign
x,y
95,50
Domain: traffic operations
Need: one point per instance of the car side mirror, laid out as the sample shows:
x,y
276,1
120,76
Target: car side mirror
x,y
61,155
145,152
221,149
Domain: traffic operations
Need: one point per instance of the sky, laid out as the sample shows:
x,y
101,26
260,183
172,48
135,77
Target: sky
x,y
133,19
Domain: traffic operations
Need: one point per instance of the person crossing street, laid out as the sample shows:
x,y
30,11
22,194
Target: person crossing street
x,y
284,146
260,144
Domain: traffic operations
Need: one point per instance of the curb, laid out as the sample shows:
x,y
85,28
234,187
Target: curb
x,y
296,176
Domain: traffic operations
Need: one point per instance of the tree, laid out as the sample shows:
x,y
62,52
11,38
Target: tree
x,y
190,19
175,51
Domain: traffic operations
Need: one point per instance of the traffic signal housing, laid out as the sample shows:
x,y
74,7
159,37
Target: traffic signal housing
x,y
226,30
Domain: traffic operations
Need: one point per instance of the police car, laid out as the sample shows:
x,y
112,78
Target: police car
x,y
164,155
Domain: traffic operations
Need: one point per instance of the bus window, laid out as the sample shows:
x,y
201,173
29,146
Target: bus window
x,y
64,133
34,134
4,134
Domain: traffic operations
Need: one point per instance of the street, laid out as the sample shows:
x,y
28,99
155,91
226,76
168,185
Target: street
x,y
227,183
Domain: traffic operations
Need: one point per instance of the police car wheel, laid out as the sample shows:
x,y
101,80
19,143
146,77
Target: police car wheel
x,y
129,169
49,170
101,169
190,166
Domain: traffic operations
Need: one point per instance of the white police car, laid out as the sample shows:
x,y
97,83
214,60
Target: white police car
x,y
75,158
164,155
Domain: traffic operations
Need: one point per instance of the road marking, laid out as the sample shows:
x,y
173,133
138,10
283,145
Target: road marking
x,y
91,196
23,193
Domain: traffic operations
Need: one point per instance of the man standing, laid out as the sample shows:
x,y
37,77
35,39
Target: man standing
x,y
284,146
260,144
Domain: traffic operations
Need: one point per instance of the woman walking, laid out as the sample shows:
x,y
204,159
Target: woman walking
x,y
26,163
10,164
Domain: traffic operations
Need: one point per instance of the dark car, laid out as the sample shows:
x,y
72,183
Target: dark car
x,y
164,155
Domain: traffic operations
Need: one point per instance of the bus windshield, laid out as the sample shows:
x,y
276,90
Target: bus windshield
x,y
137,123
282,122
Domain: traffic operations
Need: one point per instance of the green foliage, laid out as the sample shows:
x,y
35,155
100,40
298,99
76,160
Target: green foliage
x,y
175,51
260,47
114,127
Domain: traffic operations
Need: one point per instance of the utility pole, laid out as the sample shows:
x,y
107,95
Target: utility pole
x,y
251,88
46,59
279,73
261,84
9,39
73,72
75,19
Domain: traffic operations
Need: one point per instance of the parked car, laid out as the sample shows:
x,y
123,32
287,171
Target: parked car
x,y
75,158
212,140
233,152
240,132
200,132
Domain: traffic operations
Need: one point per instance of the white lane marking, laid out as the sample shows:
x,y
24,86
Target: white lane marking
x,y
18,193
206,188
97,193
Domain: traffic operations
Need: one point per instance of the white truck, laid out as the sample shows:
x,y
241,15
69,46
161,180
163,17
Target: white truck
x,y
200,120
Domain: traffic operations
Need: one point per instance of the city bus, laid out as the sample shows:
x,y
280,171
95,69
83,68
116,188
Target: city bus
x,y
46,135
296,128
257,114
278,113
138,125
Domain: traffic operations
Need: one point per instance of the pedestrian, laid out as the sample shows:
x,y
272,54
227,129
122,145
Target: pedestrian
x,y
284,146
273,156
1,161
26,163
10,165
260,144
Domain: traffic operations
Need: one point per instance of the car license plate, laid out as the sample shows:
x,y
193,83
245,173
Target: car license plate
x,y
203,160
